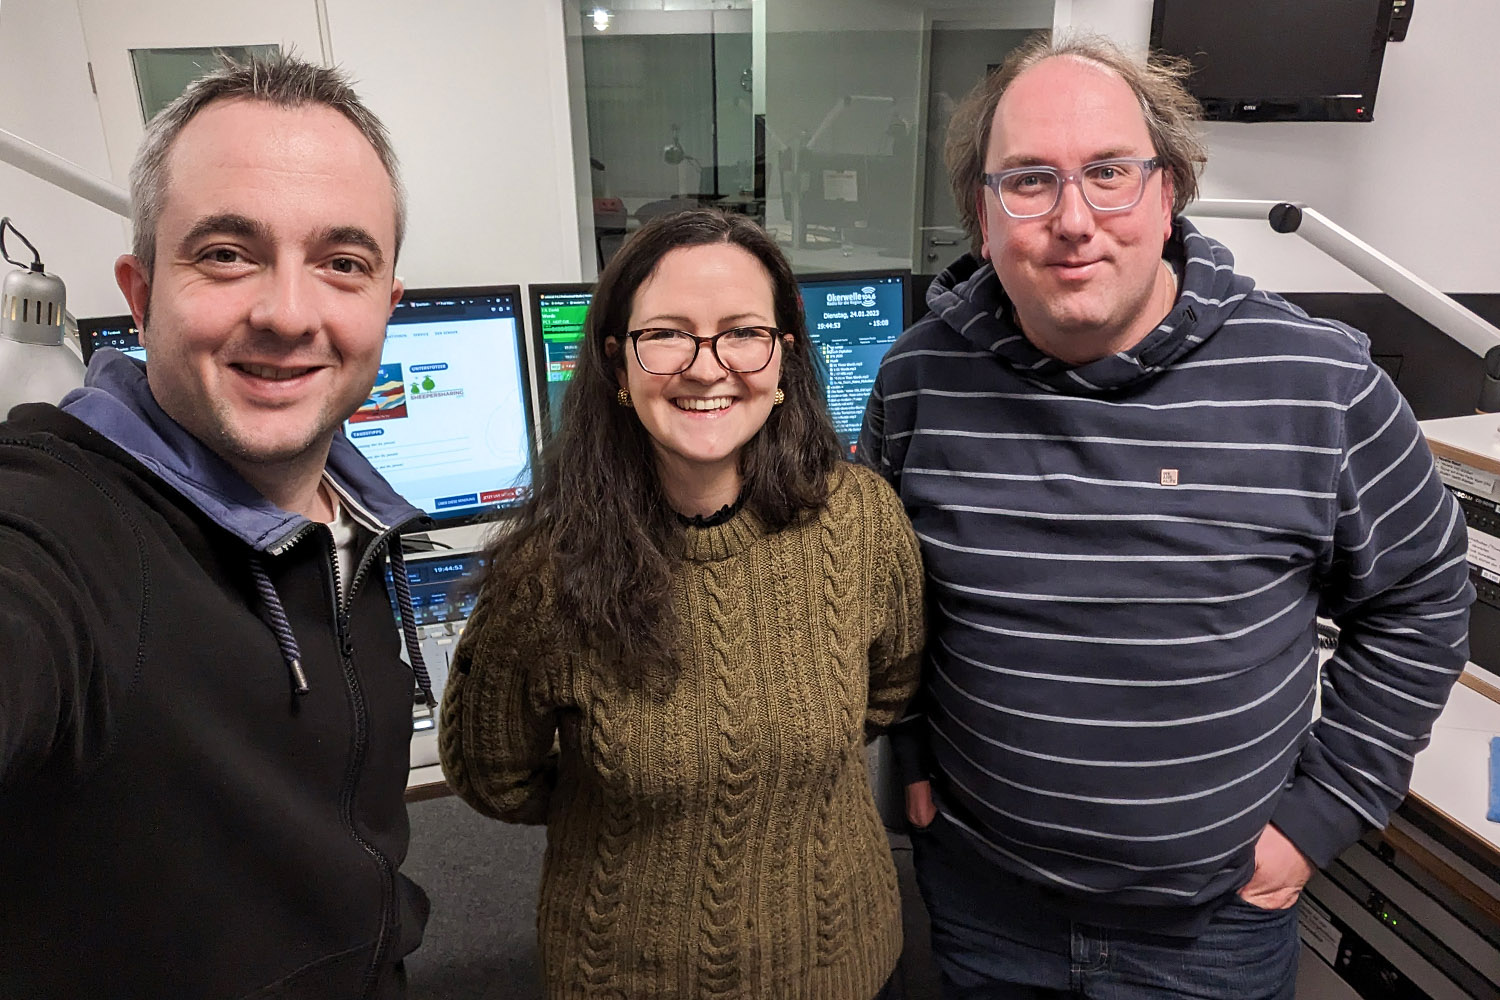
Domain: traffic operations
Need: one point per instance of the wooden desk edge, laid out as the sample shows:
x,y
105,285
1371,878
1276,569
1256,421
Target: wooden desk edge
x,y
1464,456
1478,686
429,790
426,782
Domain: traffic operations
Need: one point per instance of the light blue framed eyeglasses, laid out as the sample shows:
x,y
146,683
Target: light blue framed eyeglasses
x,y
1113,185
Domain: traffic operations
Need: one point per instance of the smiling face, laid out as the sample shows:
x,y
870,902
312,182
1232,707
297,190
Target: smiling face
x,y
1084,283
264,313
700,420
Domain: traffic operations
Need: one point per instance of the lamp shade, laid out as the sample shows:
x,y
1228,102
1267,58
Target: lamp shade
x,y
36,366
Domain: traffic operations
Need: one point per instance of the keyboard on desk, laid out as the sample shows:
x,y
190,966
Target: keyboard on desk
x,y
444,587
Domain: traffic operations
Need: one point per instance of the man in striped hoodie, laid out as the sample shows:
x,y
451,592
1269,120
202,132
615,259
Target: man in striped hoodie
x,y
1138,480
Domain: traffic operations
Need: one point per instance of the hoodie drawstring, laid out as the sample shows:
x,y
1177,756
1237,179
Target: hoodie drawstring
x,y
290,651
409,622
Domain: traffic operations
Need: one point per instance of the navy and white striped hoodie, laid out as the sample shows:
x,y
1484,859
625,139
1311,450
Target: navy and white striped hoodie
x,y
1125,561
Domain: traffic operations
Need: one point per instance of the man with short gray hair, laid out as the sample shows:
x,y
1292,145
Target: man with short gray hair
x,y
1137,481
204,716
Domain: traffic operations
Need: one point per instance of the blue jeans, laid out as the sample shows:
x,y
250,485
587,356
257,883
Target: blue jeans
x,y
989,948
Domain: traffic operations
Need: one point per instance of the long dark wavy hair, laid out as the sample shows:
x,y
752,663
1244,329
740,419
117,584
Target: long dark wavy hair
x,y
597,524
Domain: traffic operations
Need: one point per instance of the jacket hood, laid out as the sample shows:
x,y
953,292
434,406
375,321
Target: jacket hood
x,y
117,402
969,298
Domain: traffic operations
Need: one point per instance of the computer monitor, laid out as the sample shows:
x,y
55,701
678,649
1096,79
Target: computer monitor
x,y
557,315
449,419
118,332
853,318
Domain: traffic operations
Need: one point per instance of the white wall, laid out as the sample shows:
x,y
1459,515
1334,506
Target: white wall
x,y
1416,183
48,101
475,96
1128,22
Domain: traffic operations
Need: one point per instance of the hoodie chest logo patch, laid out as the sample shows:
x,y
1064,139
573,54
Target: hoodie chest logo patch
x,y
1169,477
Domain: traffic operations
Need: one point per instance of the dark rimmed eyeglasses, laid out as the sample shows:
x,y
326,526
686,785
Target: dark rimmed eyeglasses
x,y
1113,185
743,350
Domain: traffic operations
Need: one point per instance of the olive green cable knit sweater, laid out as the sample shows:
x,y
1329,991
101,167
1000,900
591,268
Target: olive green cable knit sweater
x,y
717,838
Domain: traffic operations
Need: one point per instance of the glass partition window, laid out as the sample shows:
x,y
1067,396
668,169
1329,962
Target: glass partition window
x,y
161,75
842,88
822,119
667,95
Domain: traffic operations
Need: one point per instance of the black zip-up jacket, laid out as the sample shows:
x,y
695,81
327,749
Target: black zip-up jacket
x,y
176,820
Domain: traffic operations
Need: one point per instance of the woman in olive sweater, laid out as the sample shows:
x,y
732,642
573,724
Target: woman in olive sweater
x,y
684,643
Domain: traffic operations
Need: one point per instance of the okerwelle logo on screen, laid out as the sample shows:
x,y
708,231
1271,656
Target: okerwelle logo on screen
x,y
864,298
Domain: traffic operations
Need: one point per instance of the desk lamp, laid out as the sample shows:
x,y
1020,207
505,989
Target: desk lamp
x,y
35,364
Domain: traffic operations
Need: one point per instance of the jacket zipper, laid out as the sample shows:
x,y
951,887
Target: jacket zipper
x,y
286,543
342,603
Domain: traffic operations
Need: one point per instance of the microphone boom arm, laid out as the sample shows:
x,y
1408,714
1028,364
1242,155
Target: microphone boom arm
x,y
66,174
1462,324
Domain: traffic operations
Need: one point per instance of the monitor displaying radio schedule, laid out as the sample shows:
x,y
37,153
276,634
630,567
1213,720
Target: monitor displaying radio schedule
x,y
448,421
557,317
853,318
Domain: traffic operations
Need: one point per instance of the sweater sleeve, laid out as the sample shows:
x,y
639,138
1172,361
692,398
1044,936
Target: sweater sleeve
x,y
895,656
1397,585
498,723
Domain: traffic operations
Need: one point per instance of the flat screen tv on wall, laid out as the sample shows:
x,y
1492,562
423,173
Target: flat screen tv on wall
x,y
1278,60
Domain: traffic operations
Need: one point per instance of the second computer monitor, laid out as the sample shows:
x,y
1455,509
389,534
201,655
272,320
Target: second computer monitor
x,y
853,318
448,421
557,317
118,332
